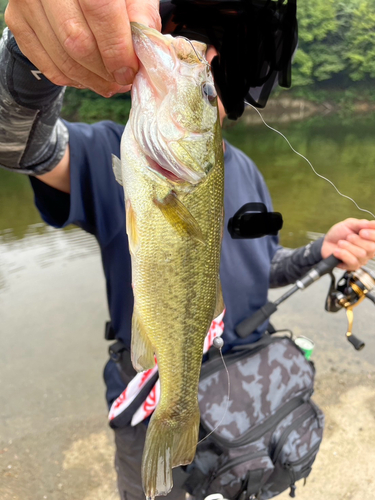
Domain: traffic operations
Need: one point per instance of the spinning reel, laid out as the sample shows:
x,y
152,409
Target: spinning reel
x,y
349,291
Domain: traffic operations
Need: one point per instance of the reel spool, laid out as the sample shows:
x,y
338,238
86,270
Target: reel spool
x,y
349,291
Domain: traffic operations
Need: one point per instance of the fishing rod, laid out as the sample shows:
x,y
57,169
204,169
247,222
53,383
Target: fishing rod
x,y
348,292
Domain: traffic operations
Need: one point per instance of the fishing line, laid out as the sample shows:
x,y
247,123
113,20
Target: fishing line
x,y
199,57
219,345
313,169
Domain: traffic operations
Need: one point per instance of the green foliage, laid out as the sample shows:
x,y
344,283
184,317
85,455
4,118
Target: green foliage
x,y
86,106
361,42
302,69
316,20
3,4
336,42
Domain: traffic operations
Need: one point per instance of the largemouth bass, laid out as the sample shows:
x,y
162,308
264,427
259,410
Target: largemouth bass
x,y
172,170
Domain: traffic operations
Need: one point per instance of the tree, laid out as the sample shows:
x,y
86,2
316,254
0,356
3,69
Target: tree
x,y
315,60
361,41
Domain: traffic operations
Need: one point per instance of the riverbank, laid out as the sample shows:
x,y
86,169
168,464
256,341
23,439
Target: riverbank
x,y
290,106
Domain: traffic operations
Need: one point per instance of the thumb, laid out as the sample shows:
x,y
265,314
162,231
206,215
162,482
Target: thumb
x,y
145,12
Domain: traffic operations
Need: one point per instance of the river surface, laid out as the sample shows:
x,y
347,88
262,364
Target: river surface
x,y
341,149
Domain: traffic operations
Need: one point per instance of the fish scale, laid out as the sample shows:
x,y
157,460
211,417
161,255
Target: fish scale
x,y
174,227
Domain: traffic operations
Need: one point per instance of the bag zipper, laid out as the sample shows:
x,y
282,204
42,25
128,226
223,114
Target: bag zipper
x,y
237,461
288,430
308,455
269,424
290,467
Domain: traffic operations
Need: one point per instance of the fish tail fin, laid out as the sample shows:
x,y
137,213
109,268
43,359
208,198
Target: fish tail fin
x,y
168,444
185,442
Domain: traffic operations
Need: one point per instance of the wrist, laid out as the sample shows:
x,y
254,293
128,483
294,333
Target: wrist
x,y
26,84
316,249
32,137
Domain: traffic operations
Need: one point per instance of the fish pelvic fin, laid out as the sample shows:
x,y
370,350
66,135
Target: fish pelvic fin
x,y
117,170
168,444
179,217
142,351
220,306
131,227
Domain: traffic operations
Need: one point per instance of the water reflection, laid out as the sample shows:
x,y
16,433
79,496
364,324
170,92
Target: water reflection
x,y
41,246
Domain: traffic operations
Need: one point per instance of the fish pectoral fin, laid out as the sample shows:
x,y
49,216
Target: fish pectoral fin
x,y
179,217
117,170
142,351
168,444
220,306
131,227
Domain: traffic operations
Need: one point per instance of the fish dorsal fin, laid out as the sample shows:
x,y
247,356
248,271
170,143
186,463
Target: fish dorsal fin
x,y
220,306
179,217
142,352
116,165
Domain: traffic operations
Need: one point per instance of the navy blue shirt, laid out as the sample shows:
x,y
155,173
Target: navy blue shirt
x,y
96,204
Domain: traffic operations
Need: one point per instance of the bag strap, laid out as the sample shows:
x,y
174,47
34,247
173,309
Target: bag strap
x,y
251,486
265,340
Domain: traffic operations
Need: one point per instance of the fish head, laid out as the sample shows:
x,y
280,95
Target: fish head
x,y
175,118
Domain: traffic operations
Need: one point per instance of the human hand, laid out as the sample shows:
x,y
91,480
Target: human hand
x,y
82,43
352,241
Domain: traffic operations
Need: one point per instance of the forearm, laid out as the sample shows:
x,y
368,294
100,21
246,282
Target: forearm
x,y
289,265
33,139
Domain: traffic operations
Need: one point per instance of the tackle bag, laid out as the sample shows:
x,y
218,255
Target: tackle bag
x,y
272,430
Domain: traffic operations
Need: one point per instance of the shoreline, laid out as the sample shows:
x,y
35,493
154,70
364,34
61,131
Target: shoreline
x,y
288,109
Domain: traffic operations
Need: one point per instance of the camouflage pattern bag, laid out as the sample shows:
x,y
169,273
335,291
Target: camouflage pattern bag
x,y
272,430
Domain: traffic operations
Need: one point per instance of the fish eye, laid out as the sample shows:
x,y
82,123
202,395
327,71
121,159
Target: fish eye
x,y
209,92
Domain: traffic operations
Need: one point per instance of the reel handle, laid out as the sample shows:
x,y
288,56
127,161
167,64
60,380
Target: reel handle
x,y
356,342
371,297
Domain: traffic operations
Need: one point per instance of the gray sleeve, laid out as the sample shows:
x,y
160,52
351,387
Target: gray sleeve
x,y
289,265
32,137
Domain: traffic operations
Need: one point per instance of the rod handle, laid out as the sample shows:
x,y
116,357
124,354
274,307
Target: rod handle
x,y
249,325
325,266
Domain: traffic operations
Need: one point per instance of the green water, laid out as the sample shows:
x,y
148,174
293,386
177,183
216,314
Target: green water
x,y
342,150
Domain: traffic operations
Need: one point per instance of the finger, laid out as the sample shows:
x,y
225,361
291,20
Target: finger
x,y
54,61
146,12
349,261
109,23
34,51
357,224
368,246
74,35
367,234
358,252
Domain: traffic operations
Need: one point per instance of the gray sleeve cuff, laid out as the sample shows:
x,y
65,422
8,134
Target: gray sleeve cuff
x,y
33,139
289,265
